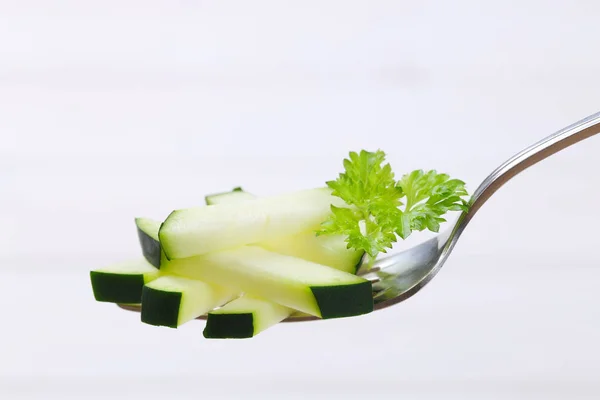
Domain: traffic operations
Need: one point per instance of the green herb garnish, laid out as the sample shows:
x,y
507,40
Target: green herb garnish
x,y
381,208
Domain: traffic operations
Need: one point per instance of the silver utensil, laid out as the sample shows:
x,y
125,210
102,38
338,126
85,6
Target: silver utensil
x,y
397,277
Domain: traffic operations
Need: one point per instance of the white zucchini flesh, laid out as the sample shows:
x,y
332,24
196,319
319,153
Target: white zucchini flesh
x,y
292,282
201,230
246,317
149,226
330,250
172,301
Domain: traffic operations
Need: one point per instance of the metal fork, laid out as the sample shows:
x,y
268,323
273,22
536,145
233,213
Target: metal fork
x,y
396,278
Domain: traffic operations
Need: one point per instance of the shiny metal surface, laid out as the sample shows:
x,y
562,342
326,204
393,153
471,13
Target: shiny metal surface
x,y
397,277
400,276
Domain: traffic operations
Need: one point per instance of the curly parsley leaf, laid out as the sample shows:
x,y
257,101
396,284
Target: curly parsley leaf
x,y
430,195
369,187
374,216
366,183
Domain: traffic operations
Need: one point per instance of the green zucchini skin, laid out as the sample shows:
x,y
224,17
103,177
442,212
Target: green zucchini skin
x,y
362,257
229,326
122,282
164,307
150,248
336,301
244,317
172,301
114,288
147,230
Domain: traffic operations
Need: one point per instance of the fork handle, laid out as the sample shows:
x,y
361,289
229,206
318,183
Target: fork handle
x,y
533,154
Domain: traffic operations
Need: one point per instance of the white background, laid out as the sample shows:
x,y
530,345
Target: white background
x,y
116,109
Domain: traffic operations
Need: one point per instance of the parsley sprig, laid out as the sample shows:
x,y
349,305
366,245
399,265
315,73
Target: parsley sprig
x,y
381,208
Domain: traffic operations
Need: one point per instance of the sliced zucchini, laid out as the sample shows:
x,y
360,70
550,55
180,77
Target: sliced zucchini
x,y
172,301
200,230
122,282
236,195
244,317
295,283
330,250
147,230
325,250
